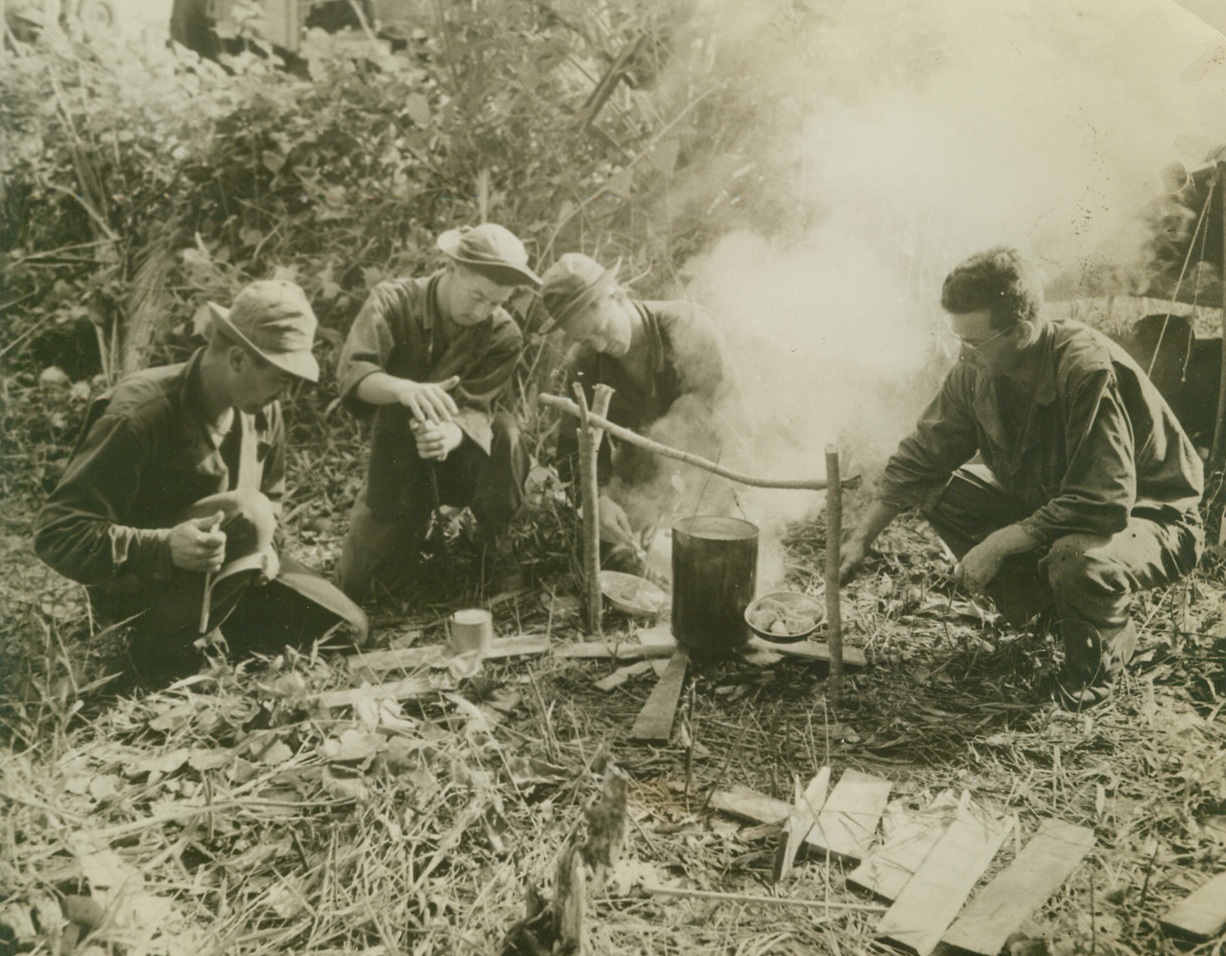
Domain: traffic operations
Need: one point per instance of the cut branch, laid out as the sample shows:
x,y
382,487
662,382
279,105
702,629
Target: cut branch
x,y
631,438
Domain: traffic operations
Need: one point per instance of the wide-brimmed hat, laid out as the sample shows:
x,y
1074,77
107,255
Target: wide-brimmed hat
x,y
492,251
273,319
573,284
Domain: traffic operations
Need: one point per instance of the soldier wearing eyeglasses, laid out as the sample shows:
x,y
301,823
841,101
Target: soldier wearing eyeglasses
x,y
1085,489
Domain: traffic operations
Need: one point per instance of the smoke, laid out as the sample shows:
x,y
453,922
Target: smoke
x,y
912,135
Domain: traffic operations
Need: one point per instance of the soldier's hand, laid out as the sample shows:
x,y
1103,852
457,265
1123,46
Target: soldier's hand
x,y
198,544
436,441
615,527
978,567
851,556
429,401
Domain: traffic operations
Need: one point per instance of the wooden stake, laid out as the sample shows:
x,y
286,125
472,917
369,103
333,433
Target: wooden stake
x,y
834,537
590,434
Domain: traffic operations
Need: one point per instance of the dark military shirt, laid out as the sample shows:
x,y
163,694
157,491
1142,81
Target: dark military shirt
x,y
144,457
402,331
1091,443
687,376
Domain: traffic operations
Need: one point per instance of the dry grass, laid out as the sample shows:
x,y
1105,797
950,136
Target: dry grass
x,y
229,815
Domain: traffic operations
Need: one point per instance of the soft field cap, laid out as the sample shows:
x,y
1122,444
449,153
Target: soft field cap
x,y
573,284
491,251
273,319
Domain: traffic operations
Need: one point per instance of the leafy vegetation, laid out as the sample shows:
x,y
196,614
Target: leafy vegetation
x,y
138,185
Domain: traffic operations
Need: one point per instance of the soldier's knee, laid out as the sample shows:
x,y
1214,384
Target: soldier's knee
x,y
1071,565
250,521
255,508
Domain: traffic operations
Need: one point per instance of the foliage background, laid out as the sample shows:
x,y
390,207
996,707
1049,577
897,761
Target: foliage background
x,y
137,184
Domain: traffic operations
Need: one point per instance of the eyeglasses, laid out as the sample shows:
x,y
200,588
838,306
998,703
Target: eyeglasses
x,y
976,346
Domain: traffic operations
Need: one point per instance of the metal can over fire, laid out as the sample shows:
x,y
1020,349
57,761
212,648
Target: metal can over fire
x,y
715,572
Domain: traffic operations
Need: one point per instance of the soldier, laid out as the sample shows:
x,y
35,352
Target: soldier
x,y
1088,489
669,369
179,474
429,358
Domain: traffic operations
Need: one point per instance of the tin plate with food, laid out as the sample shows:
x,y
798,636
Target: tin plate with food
x,y
785,616
633,595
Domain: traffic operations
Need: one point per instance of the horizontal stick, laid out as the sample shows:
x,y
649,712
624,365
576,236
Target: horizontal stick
x,y
632,438
748,898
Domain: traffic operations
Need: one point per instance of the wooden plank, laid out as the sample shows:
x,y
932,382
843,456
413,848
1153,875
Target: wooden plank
x,y
848,821
803,817
930,901
659,636
1200,916
1034,875
622,674
396,690
409,658
886,869
655,720
748,804
600,650
810,651
803,650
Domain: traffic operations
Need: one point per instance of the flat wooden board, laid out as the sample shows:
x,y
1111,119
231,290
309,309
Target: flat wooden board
x,y
601,650
747,804
847,827
659,636
848,821
1200,916
807,805
632,651
622,674
409,658
810,651
930,901
404,689
887,868
655,720
1033,876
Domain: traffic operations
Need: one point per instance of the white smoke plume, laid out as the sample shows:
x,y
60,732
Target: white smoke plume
x,y
930,130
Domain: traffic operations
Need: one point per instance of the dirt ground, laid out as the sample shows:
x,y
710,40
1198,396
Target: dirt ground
x,y
231,813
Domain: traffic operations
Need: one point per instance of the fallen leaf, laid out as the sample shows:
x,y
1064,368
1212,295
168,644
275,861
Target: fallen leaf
x,y
202,759
243,771
103,786
346,788
529,771
353,746
276,754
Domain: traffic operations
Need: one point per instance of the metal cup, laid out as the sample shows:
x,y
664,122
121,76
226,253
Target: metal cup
x,y
471,629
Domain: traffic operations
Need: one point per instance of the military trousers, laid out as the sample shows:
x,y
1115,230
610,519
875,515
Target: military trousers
x,y
382,544
1083,579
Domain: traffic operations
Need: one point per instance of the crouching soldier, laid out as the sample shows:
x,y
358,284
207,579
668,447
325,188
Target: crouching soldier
x,y
429,357
672,381
1088,489
170,500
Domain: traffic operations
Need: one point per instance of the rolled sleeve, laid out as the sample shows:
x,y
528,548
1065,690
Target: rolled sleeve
x,y
367,348
80,532
1099,486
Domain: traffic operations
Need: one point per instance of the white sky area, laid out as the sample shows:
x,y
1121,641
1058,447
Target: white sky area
x,y
937,128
